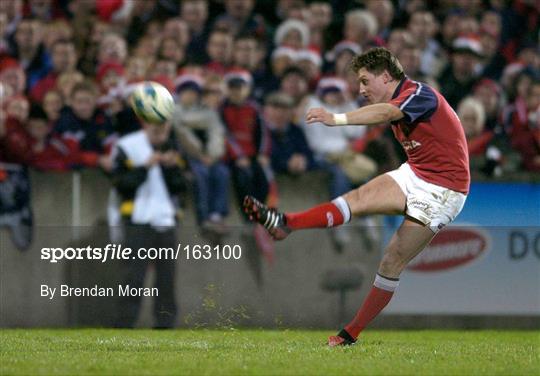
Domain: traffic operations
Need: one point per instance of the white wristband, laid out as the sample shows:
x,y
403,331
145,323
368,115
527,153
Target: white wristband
x,y
340,119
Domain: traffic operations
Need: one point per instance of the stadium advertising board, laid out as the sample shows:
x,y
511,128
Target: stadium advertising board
x,y
487,262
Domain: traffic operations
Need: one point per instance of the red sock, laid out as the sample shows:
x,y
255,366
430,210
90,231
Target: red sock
x,y
379,296
329,214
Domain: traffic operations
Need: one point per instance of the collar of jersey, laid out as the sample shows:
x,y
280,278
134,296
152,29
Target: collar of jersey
x,y
398,88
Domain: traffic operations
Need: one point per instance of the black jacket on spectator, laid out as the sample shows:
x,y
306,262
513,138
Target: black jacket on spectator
x,y
452,89
285,144
127,179
96,134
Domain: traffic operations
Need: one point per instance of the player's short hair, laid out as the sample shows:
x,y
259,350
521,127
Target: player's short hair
x,y
376,61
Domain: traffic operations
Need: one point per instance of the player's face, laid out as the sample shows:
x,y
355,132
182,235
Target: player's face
x,y
372,87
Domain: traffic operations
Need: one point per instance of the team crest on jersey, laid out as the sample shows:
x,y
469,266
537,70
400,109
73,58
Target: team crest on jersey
x,y
410,145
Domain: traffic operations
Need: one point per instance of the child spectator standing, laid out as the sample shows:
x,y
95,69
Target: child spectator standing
x,y
248,141
248,149
202,136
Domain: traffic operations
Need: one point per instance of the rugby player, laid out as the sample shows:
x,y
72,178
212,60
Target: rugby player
x,y
429,190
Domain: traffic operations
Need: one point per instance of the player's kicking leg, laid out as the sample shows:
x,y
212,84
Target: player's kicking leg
x,y
379,196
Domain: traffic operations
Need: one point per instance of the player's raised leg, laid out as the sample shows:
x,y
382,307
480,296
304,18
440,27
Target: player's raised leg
x,y
381,195
409,240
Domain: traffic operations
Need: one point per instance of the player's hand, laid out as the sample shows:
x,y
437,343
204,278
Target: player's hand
x,y
320,115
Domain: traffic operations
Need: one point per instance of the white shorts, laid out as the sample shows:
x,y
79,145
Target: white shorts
x,y
431,204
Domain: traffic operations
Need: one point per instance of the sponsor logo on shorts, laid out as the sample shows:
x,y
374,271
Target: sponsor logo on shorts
x,y
452,247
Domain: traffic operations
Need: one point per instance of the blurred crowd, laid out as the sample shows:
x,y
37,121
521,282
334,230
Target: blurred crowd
x,y
243,73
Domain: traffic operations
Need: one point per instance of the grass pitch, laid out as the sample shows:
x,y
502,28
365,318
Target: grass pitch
x,y
262,352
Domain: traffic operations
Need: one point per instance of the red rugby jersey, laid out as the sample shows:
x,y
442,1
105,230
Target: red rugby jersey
x,y
432,136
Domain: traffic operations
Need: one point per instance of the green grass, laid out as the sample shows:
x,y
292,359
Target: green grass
x,y
234,352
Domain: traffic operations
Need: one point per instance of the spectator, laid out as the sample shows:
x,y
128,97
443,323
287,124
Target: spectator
x,y
84,124
177,29
64,60
489,93
295,83
43,10
249,55
485,152
397,39
213,92
410,58
141,16
15,205
14,140
282,59
290,151
147,48
48,151
13,12
523,124
423,27
320,17
460,76
239,18
113,47
13,76
361,28
135,69
110,77
164,68
171,50
468,25
148,180
491,22
493,61
30,52
4,44
202,136
341,55
383,10
52,105
248,141
66,82
310,61
195,14
472,116
450,28
55,31
219,49
17,107
293,34
89,42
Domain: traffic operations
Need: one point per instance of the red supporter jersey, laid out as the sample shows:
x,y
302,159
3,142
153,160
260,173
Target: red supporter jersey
x,y
432,136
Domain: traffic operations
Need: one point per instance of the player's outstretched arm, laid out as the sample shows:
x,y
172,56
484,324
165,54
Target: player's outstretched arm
x,y
373,114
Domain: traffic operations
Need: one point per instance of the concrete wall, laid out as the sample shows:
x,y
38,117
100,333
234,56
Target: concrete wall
x,y
289,292
209,293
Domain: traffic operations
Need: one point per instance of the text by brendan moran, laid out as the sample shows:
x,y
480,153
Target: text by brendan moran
x,y
121,290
